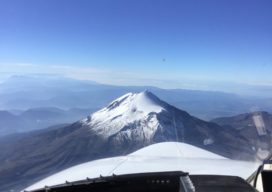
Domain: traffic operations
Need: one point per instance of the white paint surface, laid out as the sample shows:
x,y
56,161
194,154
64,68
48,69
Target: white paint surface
x,y
168,156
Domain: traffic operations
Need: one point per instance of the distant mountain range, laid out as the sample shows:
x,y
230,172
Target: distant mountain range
x,y
24,92
38,118
128,123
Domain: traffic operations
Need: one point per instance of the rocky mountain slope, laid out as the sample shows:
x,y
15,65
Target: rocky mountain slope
x,y
256,127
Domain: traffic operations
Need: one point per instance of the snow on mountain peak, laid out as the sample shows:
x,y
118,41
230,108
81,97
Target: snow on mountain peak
x,y
132,108
144,101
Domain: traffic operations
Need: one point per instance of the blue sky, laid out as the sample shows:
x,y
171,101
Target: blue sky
x,y
168,43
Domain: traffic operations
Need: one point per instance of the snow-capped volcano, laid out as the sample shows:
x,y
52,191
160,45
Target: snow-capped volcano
x,y
136,120
132,109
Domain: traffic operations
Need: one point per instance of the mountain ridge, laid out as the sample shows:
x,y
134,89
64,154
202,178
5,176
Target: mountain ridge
x,y
255,126
70,93
37,118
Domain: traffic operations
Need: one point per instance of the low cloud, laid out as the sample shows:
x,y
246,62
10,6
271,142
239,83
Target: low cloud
x,y
129,78
54,70
79,72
